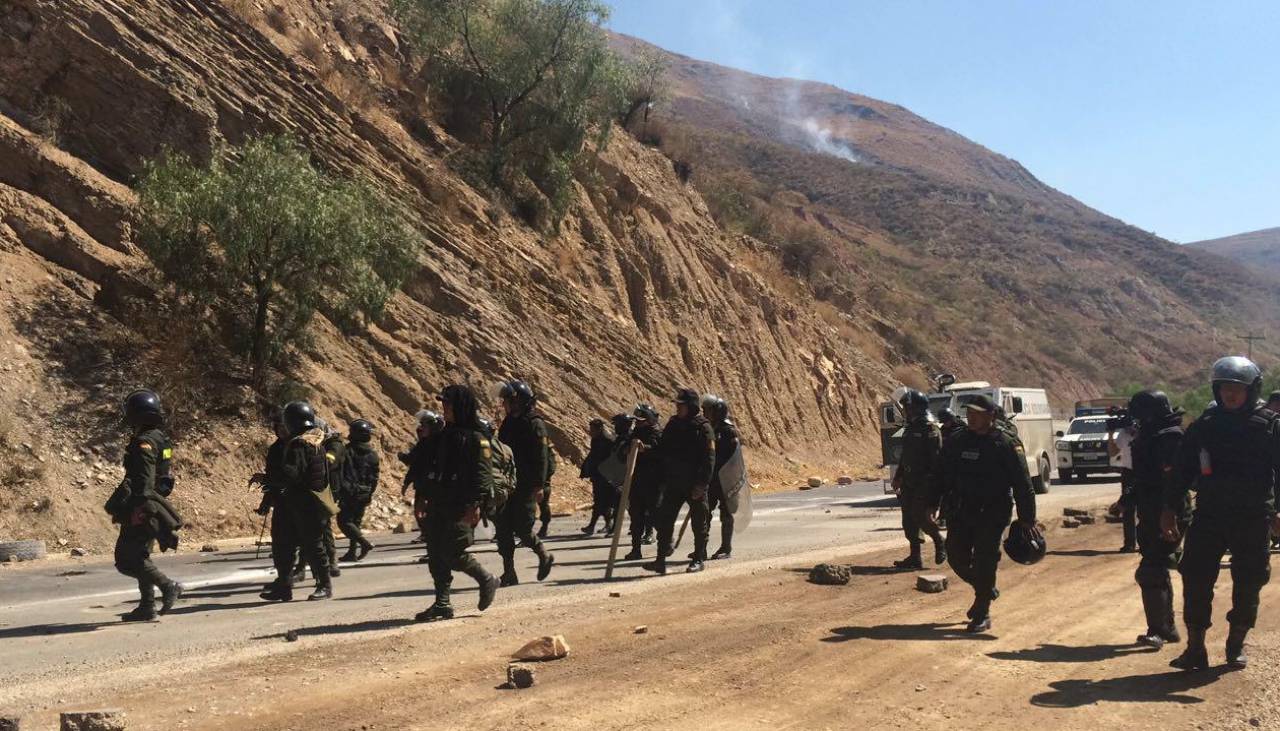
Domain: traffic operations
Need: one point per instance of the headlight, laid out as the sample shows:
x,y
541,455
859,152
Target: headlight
x,y
1063,446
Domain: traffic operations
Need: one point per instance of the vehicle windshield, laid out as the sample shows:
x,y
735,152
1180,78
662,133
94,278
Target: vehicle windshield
x,y
1088,426
938,403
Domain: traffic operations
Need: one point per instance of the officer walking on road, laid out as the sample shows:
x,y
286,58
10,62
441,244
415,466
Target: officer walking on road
x,y
417,462
140,506
362,471
1229,457
452,508
603,495
914,480
646,483
727,442
526,433
688,453
1154,452
981,476
307,501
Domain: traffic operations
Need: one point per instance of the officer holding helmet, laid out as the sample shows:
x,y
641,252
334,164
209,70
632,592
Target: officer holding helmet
x,y
1229,457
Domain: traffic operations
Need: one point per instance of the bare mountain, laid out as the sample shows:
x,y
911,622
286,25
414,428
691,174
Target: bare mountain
x,y
1256,250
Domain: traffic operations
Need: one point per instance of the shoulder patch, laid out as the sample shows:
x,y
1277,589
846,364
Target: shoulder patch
x,y
145,445
166,453
485,450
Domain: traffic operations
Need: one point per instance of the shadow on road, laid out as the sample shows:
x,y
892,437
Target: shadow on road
x,y
1067,653
342,629
1084,553
1170,687
895,632
41,630
223,591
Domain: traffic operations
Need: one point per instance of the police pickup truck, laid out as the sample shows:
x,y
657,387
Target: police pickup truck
x,y
1082,449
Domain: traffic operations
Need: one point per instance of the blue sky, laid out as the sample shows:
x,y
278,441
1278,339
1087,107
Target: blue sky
x,y
1164,114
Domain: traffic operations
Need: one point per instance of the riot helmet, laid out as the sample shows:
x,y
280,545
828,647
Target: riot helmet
x,y
360,430
716,408
142,409
913,403
1150,405
645,412
1025,545
298,417
1237,369
519,392
622,424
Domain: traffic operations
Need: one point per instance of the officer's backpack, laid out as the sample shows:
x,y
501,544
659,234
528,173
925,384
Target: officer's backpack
x,y
340,470
503,464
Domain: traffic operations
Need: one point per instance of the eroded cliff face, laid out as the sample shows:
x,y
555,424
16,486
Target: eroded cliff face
x,y
637,294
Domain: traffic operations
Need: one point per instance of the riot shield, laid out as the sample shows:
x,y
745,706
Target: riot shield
x,y
737,490
614,469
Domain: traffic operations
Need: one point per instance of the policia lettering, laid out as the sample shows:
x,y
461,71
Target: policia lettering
x,y
525,432
1229,457
141,507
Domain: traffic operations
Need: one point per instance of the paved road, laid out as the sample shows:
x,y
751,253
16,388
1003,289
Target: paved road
x,y
61,617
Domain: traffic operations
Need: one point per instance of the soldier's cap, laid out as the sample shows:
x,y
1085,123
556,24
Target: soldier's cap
x,y
688,396
981,403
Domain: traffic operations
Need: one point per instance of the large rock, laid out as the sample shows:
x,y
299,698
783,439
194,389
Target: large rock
x,y
107,719
814,483
552,647
10,723
844,480
830,573
1086,519
1070,523
1074,512
931,583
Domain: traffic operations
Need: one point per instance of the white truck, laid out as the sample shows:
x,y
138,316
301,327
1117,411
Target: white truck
x,y
1082,449
1027,408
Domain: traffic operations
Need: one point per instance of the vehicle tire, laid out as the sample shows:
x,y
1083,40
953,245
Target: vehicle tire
x,y
1064,476
22,550
1040,482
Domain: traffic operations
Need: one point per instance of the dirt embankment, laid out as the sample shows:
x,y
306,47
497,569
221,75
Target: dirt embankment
x,y
638,293
762,650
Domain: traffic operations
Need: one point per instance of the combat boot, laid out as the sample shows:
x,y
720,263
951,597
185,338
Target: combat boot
x,y
546,560
364,549
322,592
334,571
545,529
509,577
169,594
349,556
939,553
608,528
1195,657
488,590
648,537
141,613
695,566
657,566
435,613
634,554
1236,656
278,592
1154,607
911,562
979,625
722,552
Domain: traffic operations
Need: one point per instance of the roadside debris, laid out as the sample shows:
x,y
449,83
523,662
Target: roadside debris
x,y
107,719
552,647
519,676
828,573
931,583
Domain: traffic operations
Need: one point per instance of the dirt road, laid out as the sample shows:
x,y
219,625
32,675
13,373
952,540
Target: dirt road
x,y
758,647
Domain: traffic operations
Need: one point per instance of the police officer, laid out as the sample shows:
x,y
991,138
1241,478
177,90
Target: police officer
x,y
525,432
602,492
1154,452
464,476
1229,457
982,474
335,454
727,442
284,543
646,482
306,499
417,463
362,469
914,480
949,423
139,505
688,452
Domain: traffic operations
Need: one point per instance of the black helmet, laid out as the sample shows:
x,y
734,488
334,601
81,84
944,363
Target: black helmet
x,y
622,424
1237,369
946,416
486,427
716,408
1025,545
430,419
690,398
596,423
519,392
361,430
298,417
645,412
912,401
142,408
463,402
1150,405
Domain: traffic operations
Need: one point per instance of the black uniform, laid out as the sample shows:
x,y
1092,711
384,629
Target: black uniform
x,y
1155,454
303,476
1230,460
646,484
727,442
688,453
462,477
419,461
915,479
981,476
364,468
284,538
145,516
526,435
604,496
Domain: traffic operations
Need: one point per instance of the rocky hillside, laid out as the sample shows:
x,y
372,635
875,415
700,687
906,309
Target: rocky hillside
x,y
639,292
1258,251
957,257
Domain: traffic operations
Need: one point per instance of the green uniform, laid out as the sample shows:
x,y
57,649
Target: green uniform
x,y
921,445
688,452
1230,459
526,435
980,476
142,512
463,476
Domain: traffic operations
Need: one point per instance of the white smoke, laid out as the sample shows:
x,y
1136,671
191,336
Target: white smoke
x,y
820,139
